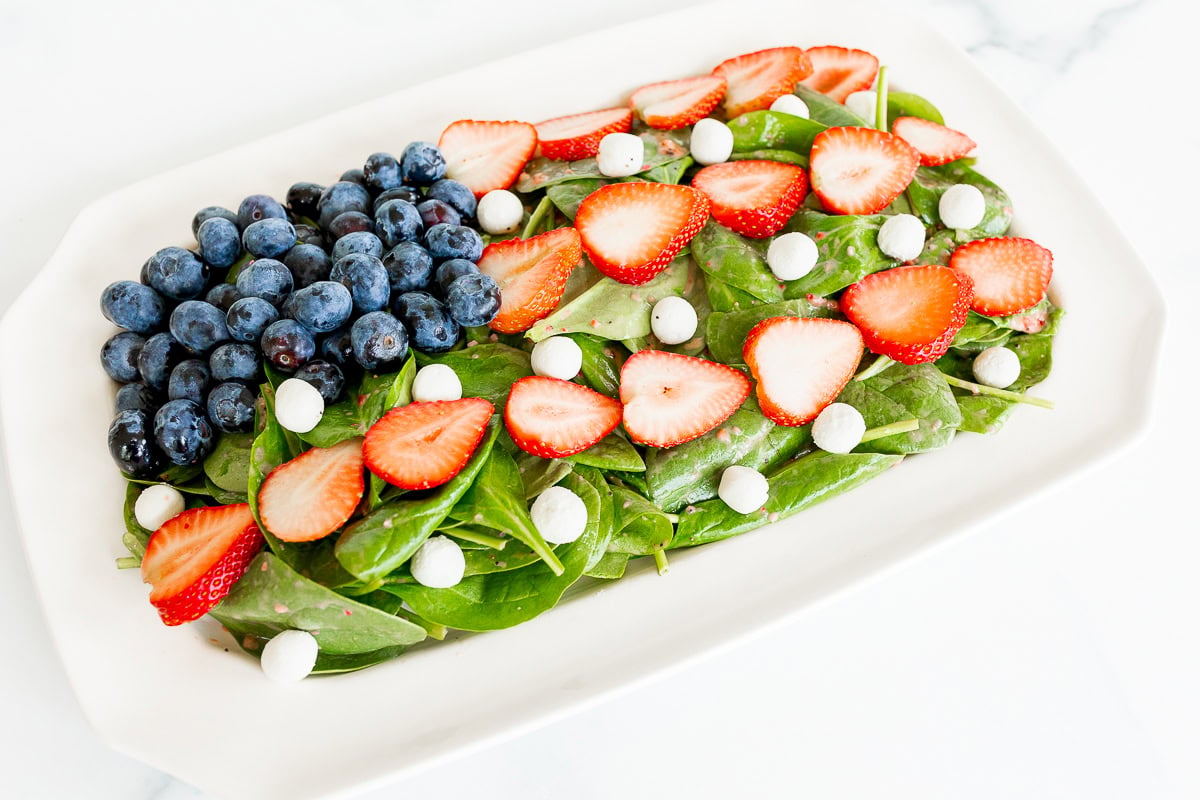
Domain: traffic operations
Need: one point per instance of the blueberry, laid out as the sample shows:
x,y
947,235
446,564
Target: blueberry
x,y
230,406
183,432
307,234
176,273
287,344
408,266
131,445
339,198
432,328
220,242
269,238
189,381
323,306
159,355
398,221
209,212
119,356
223,295
357,242
379,341
450,271
366,278
437,212
308,264
382,172
198,326
355,175
454,194
409,194
302,199
133,306
256,207
139,396
336,348
453,241
235,361
422,163
325,377
249,317
349,222
473,300
266,278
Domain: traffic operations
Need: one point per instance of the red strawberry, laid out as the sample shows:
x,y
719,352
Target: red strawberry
x,y
754,198
422,445
312,495
860,170
532,276
839,71
486,155
801,365
935,143
1010,274
677,104
632,231
670,398
578,136
755,80
909,314
552,418
194,559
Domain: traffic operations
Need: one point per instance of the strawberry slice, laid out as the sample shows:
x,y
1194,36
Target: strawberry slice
x,y
754,198
486,155
801,365
670,398
314,494
632,231
578,136
553,418
422,445
676,104
936,144
840,71
755,80
860,170
532,276
1010,274
194,559
909,314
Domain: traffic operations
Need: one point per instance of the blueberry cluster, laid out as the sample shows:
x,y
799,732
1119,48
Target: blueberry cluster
x,y
336,279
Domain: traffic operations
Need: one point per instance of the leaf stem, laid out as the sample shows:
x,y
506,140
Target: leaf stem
x,y
1016,397
128,562
901,426
535,219
877,366
660,562
881,93
470,534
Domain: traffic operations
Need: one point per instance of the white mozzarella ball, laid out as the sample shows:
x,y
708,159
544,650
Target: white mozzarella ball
x,y
838,428
559,515
298,405
673,320
743,489
157,504
436,382
961,207
620,154
792,256
997,367
290,656
500,211
556,357
863,104
712,141
902,237
439,563
790,104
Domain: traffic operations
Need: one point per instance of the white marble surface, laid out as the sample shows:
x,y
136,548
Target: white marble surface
x,y
1051,656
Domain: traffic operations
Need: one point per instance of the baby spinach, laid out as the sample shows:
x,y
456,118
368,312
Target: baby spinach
x,y
610,567
773,130
487,561
486,370
736,260
639,527
361,409
601,363
567,196
613,452
903,392
847,251
726,331
824,109
228,466
907,104
136,537
782,156
723,297
271,448
659,148
930,184
539,474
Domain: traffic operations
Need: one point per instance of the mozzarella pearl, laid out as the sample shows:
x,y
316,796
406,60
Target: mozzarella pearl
x,y
792,256
298,405
743,489
559,515
838,428
961,207
290,656
712,141
500,211
997,367
902,237
863,104
620,154
673,320
439,563
557,357
790,104
157,504
436,382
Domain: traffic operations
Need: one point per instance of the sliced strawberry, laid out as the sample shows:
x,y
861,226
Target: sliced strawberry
x,y
754,198
486,155
578,136
860,170
532,276
936,144
632,231
677,104
909,314
1010,274
194,559
755,80
801,365
312,495
670,398
840,71
553,418
422,445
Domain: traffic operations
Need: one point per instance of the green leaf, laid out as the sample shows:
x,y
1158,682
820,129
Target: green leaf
x,y
723,297
907,104
930,183
228,466
660,148
827,111
485,370
376,395
782,156
610,567
614,453
539,474
773,130
270,449
639,526
726,332
567,196
903,392
847,251
136,537
602,361
737,261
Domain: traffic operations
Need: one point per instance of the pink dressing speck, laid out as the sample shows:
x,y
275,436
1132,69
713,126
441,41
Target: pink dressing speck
x,y
280,608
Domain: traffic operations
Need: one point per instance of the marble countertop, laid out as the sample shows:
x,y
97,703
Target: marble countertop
x,y
981,670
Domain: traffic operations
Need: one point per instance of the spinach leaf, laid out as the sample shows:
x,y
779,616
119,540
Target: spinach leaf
x,y
271,448
352,416
136,537
736,260
659,148
539,474
222,496
726,332
723,297
773,130
671,172
610,567
827,111
487,561
485,370
602,361
782,156
567,196
847,251
613,452
228,466
930,184
639,527
907,104
904,392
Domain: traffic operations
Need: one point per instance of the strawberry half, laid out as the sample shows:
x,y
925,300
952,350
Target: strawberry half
x,y
936,144
909,314
578,136
670,398
755,80
532,276
194,559
840,71
754,198
632,231
1010,274
553,418
486,155
422,445
860,170
801,365
676,104
314,494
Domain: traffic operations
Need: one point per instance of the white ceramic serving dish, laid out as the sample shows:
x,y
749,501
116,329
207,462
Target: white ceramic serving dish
x,y
177,700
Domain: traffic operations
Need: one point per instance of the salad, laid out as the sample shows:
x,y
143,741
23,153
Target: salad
x,y
440,391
